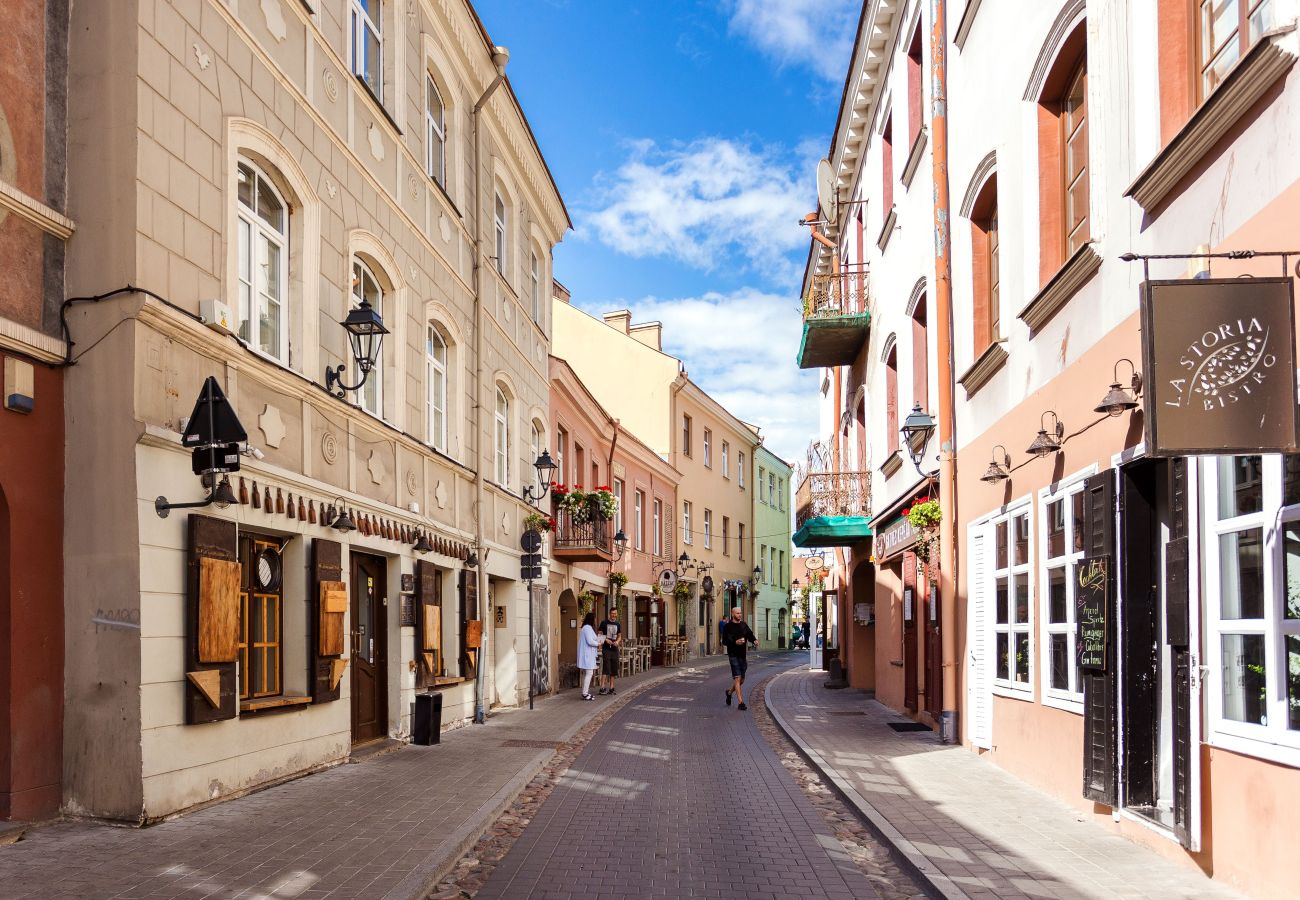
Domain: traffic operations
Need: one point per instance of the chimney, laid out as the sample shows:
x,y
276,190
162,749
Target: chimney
x,y
649,333
560,292
619,319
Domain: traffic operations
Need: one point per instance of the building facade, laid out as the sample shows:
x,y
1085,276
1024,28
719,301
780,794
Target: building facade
x,y
34,229
259,173
772,549
1117,630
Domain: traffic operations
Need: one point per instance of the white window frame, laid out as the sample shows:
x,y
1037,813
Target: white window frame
x,y
638,524
708,448
1272,741
726,460
435,376
657,535
1009,687
618,506
435,134
708,529
561,449
255,233
1070,700
501,419
771,489
686,434
370,397
535,285
740,469
359,23
501,225
686,523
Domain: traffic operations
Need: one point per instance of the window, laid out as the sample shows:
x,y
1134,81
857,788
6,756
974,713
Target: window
x,y
726,462
1061,538
726,532
502,423
1064,182
985,267
780,571
781,492
1228,29
686,522
561,450
887,168
657,534
740,469
762,480
263,225
740,540
914,87
638,524
435,133
762,563
435,379
365,286
261,614
920,356
366,45
535,286
537,444
1252,565
771,489
686,435
1074,142
708,529
708,449
1013,641
891,399
500,222
619,524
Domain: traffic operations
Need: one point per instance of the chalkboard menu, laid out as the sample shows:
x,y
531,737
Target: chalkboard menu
x,y
1092,599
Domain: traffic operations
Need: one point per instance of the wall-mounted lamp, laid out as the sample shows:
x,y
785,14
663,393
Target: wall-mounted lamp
x,y
337,517
546,468
998,471
422,544
471,561
366,334
1118,400
917,430
221,496
683,562
1046,444
620,544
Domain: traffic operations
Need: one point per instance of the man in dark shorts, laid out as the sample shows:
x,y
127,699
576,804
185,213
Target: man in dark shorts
x,y
737,637
612,631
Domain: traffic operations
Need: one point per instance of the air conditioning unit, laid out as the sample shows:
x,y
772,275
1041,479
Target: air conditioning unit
x,y
218,316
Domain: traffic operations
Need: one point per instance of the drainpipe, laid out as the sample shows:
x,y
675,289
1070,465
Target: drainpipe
x,y
500,56
947,426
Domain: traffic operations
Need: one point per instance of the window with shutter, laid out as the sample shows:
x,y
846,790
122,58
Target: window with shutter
x,y
211,620
326,666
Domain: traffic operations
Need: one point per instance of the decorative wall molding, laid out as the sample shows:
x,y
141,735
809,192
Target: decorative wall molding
x,y
918,291
1060,30
1077,271
893,462
985,367
43,217
967,20
983,169
887,230
914,157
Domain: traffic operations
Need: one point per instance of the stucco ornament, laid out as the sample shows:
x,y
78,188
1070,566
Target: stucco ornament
x,y
376,466
414,184
412,483
330,83
329,448
203,59
444,227
331,188
505,523
376,142
271,425
440,495
274,16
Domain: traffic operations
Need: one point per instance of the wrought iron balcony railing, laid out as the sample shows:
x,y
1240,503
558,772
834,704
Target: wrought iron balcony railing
x,y
842,294
827,494
587,540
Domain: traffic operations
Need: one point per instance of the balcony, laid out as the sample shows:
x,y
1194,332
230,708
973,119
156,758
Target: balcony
x,y
835,320
590,540
833,509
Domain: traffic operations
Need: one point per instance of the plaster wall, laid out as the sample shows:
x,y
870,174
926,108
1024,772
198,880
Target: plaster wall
x,y
771,529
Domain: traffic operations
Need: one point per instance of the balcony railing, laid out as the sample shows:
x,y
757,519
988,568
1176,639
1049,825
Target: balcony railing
x,y
842,294
833,494
835,319
589,540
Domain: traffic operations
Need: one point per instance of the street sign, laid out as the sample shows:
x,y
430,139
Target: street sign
x,y
217,458
213,432
667,581
530,541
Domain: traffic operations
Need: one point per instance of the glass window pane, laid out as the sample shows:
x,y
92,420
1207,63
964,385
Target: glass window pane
x,y
1291,558
1022,657
1055,529
1001,561
1241,575
1004,668
1057,611
1076,503
1293,681
1290,479
269,207
1241,486
1002,601
1022,539
245,182
1261,20
1243,678
1060,652
1021,589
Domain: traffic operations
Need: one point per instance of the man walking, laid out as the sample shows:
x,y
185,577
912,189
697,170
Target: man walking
x,y
737,637
612,631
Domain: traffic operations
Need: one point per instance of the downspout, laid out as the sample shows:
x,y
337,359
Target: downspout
x,y
948,557
500,56
609,470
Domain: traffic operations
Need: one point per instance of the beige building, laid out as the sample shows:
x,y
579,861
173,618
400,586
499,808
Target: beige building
x,y
264,169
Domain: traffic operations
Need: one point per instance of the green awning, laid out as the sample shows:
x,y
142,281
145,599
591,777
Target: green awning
x,y
830,341
833,531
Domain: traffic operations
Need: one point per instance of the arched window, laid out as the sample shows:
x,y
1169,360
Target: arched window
x,y
435,379
365,286
891,399
435,132
263,235
502,438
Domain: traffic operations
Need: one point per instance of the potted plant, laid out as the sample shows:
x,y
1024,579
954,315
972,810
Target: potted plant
x,y
925,515
586,602
574,502
603,502
539,522
617,580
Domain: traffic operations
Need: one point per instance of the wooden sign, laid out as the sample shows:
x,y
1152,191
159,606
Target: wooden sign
x,y
432,627
473,634
218,610
429,662
1092,600
209,684
406,613
337,667
333,606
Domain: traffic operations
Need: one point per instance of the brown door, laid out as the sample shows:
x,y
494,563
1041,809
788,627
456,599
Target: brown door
x,y
369,649
933,654
912,600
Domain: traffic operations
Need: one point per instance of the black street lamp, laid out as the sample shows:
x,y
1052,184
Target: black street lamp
x,y
366,334
917,430
546,468
620,545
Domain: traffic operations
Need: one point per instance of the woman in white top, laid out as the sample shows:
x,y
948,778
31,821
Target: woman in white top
x,y
588,644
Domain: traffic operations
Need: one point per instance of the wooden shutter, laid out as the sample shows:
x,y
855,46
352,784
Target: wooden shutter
x,y
469,634
326,670
1178,636
428,623
216,540
979,677
1100,721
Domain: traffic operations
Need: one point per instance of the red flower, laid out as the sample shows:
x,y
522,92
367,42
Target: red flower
x,y
907,511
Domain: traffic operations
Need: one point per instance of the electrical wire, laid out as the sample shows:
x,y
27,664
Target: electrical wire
x,y
68,358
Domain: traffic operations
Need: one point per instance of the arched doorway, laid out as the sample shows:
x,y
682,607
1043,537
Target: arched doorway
x,y
568,627
861,660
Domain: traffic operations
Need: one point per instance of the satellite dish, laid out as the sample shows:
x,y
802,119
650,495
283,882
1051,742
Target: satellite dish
x,y
813,563
826,191
667,581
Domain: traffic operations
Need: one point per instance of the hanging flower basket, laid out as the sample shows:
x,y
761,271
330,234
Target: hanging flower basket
x,y
586,602
925,516
617,580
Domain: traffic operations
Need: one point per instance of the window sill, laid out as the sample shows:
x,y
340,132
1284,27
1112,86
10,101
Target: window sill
x,y
1064,702
446,682
1284,754
988,364
266,704
1248,81
1068,281
376,103
893,462
914,157
1023,694
887,231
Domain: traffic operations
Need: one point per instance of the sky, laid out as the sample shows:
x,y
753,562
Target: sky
x,y
684,136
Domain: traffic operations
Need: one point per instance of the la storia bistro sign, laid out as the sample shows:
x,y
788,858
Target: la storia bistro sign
x,y
1219,357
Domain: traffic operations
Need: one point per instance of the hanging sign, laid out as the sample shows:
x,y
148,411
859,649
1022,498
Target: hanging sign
x,y
1219,366
895,538
1092,598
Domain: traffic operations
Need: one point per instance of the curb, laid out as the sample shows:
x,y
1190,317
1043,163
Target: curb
x,y
424,878
912,858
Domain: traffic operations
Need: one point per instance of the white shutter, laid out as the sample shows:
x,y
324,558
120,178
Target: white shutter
x,y
979,678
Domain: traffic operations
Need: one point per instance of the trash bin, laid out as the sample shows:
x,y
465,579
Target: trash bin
x,y
427,728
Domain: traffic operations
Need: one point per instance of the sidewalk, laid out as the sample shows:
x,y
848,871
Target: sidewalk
x,y
968,826
386,827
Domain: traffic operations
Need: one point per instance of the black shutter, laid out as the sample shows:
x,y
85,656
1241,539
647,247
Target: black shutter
x,y
216,539
428,593
1099,701
1178,636
326,565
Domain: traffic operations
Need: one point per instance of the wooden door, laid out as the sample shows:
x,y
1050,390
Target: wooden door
x,y
369,649
1100,716
912,600
933,653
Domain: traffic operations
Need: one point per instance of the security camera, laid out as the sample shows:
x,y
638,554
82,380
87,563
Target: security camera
x,y
250,450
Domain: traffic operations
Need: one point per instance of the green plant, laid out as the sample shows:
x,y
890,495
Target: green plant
x,y
925,516
682,591
538,522
586,602
617,580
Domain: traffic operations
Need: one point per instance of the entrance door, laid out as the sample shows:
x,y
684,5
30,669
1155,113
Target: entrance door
x,y
815,633
933,653
369,649
912,600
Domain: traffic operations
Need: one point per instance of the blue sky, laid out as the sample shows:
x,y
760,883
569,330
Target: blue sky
x,y
683,135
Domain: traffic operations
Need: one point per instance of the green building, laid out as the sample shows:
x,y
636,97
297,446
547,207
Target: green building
x,y
772,548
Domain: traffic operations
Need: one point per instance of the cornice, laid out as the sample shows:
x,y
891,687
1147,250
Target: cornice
x,y
34,211
1077,271
1061,28
914,157
983,169
887,230
967,20
984,368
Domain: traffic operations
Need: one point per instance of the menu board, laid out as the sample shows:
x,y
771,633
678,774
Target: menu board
x,y
1092,600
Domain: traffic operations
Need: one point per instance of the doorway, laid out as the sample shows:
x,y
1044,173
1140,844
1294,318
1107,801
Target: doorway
x,y
913,600
933,648
369,648
568,628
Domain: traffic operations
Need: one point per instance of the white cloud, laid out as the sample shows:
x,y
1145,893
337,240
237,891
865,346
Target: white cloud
x,y
741,348
813,33
705,204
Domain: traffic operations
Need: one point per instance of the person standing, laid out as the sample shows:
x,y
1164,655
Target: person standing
x,y
738,638
612,631
588,643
